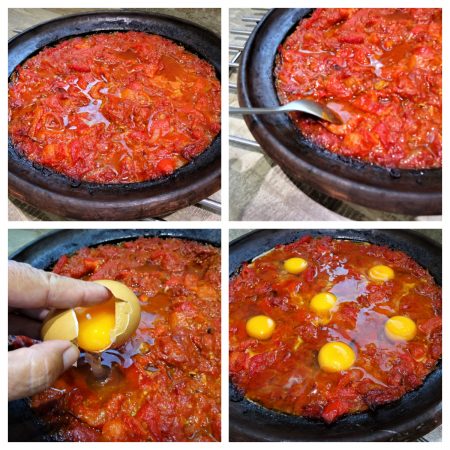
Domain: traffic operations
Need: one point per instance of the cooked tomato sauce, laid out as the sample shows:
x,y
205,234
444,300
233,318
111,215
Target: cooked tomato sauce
x,y
114,108
164,383
282,373
381,70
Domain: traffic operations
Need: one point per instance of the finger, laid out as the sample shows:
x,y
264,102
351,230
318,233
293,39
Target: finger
x,y
33,288
32,369
24,326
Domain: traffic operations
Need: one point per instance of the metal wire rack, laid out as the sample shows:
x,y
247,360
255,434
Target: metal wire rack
x,y
241,27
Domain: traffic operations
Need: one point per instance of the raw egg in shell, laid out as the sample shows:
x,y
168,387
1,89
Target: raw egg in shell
x,y
99,327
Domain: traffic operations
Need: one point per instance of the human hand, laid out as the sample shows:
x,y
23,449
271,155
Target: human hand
x,y
33,292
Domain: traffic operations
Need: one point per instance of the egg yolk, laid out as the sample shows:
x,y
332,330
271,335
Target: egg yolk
x,y
336,356
400,328
95,326
381,273
260,327
323,302
295,265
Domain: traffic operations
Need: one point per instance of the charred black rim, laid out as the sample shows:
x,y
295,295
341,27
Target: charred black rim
x,y
414,415
401,191
43,253
199,178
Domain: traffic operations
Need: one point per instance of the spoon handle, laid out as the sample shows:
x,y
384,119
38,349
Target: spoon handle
x,y
306,106
240,111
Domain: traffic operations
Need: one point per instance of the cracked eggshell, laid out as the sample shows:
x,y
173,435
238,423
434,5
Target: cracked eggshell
x,y
60,324
63,324
127,311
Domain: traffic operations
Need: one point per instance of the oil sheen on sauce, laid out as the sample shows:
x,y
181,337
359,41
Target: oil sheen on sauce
x,y
282,373
381,70
114,108
163,384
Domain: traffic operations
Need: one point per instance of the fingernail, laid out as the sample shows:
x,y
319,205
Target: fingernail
x,y
70,356
108,294
105,291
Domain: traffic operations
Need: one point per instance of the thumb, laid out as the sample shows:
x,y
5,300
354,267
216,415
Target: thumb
x,y
32,369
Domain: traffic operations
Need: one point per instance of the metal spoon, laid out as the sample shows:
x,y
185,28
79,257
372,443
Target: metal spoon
x,y
305,106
